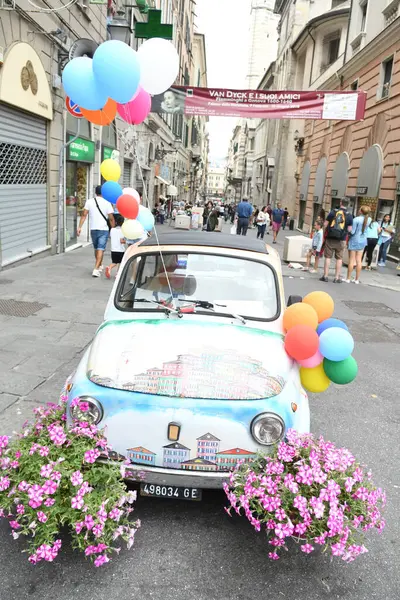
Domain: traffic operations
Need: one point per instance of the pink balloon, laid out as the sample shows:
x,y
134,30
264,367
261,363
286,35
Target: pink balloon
x,y
137,109
314,361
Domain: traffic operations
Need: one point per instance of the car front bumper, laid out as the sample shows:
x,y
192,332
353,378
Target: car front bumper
x,y
175,477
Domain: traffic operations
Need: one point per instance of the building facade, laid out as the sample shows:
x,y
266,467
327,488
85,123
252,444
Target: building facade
x,y
42,188
263,40
361,159
216,181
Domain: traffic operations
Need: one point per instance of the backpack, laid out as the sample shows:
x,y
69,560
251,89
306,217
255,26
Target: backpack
x,y
337,225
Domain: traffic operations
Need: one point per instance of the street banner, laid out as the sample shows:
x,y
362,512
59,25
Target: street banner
x,y
261,104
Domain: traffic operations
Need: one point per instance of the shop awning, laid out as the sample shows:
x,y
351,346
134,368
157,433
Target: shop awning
x,y
161,180
305,180
370,173
320,180
340,176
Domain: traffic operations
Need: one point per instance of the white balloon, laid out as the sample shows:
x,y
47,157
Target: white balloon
x,y
132,229
159,65
132,192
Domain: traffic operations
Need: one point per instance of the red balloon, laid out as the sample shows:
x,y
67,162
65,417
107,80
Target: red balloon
x,y
301,342
128,206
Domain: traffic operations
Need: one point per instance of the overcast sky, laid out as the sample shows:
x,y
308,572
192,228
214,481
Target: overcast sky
x,y
225,24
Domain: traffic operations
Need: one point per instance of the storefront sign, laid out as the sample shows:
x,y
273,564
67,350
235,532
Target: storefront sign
x,y
81,150
164,172
260,104
361,191
110,153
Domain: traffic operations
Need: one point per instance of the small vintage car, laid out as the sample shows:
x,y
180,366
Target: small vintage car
x,y
188,373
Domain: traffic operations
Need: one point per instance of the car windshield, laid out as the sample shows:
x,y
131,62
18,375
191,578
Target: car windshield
x,y
213,283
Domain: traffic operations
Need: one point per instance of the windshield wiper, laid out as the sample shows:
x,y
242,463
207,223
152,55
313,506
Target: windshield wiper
x,y
161,305
209,306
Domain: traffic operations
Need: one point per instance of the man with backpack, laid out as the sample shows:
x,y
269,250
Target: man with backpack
x,y
338,224
101,219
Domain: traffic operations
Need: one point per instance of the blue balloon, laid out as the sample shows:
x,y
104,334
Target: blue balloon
x,y
80,85
111,191
117,70
145,218
331,323
336,344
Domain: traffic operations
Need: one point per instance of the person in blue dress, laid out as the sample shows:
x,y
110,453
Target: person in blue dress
x,y
357,243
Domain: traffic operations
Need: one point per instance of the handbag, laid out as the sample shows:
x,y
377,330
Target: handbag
x,y
104,217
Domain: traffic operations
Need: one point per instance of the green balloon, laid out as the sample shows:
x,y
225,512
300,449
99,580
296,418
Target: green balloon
x,y
341,372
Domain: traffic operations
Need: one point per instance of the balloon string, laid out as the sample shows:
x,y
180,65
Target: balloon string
x,y
146,198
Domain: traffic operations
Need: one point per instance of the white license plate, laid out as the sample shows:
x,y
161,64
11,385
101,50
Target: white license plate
x,y
170,491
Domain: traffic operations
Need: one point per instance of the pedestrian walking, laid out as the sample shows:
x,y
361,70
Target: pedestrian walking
x,y
373,232
277,219
262,220
244,211
285,218
338,223
161,212
385,239
117,242
207,211
101,219
357,243
316,247
269,211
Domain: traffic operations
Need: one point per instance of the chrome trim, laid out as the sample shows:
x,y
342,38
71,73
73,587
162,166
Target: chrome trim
x,y
178,477
265,416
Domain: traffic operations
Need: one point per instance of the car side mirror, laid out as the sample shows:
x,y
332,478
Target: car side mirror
x,y
294,300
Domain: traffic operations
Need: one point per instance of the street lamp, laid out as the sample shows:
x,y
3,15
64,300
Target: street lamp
x,y
118,28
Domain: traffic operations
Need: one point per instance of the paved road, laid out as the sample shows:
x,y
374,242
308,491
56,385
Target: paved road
x,y
195,551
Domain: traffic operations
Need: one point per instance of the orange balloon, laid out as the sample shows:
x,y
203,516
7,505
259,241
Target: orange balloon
x,y
322,303
104,116
300,314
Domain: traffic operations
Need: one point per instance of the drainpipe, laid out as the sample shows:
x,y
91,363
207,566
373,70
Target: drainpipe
x,y
313,56
61,200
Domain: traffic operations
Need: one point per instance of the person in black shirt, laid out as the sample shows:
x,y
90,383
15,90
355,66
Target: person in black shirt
x,y
338,224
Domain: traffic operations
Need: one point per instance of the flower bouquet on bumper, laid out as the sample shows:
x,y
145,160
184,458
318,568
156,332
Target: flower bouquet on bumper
x,y
51,480
311,491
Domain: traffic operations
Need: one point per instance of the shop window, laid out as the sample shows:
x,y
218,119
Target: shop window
x,y
72,126
386,78
330,50
109,136
21,165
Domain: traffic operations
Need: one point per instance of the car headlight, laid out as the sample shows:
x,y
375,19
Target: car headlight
x,y
88,410
268,429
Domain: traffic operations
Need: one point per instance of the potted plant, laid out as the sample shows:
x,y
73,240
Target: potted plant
x,y
311,491
51,479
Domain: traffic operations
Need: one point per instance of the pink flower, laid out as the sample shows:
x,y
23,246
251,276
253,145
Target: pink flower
x,y
74,402
280,514
307,548
77,502
45,471
33,558
23,486
45,552
273,555
91,456
361,493
18,454
4,441
321,538
14,464
15,525
89,522
305,475
44,451
84,406
4,482
115,514
55,476
300,528
20,509
76,478
50,487
79,526
42,517
98,530
33,449
49,502
57,434
101,560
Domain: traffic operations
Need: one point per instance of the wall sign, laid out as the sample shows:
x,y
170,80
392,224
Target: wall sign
x,y
334,193
73,108
154,28
81,150
110,153
361,191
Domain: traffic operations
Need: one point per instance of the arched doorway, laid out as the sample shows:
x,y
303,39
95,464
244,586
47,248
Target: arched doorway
x,y
339,179
369,182
305,181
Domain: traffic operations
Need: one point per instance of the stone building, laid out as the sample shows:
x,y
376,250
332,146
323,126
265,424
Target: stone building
x,y
361,159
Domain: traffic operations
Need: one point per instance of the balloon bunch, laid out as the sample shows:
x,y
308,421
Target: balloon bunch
x,y
320,344
138,218
119,79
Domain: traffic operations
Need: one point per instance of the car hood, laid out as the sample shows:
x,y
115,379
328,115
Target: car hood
x,y
189,360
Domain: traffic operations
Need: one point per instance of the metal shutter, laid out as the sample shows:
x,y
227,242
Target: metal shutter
x,y
126,178
23,184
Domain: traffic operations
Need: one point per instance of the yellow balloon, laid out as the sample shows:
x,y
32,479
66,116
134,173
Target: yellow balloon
x,y
314,380
110,170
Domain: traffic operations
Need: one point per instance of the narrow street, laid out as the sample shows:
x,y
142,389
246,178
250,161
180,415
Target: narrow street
x,y
186,550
